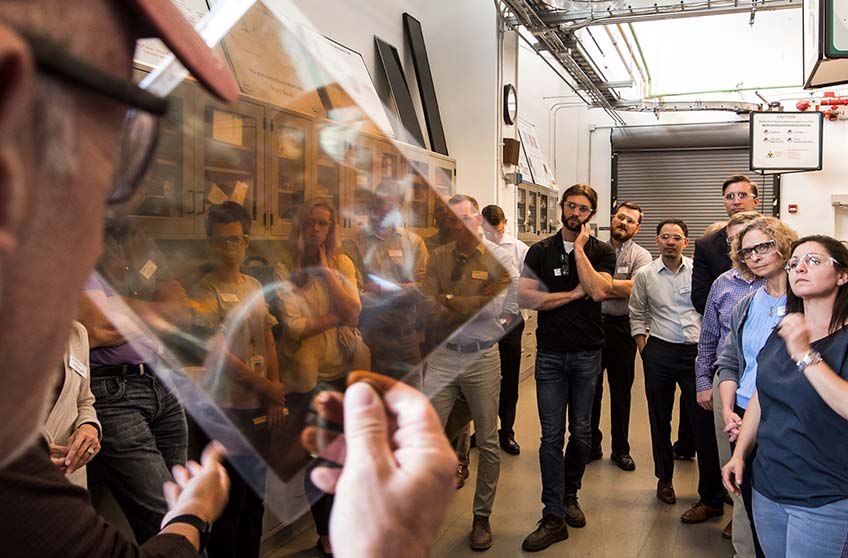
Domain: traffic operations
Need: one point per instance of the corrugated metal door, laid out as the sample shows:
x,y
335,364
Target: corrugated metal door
x,y
681,184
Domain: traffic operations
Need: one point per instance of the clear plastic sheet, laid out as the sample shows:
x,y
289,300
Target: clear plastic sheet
x,y
252,270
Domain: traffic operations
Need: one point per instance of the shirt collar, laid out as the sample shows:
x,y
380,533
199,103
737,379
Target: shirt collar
x,y
480,249
369,231
661,265
624,245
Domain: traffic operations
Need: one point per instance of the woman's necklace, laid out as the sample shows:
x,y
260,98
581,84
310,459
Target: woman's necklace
x,y
777,307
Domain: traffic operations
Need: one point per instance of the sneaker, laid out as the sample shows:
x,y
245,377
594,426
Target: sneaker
x,y
481,534
573,514
549,530
624,461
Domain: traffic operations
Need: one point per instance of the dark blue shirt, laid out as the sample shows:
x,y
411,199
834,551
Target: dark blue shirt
x,y
802,444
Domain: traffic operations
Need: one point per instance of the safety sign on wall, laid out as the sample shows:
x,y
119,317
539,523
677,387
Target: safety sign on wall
x,y
786,142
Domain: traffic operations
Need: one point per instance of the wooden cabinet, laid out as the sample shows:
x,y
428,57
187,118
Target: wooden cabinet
x,y
230,157
166,203
290,139
536,212
271,160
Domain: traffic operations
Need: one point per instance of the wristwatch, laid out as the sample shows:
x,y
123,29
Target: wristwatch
x,y
448,297
201,526
812,358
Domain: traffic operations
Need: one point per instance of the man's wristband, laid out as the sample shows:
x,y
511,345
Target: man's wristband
x,y
196,522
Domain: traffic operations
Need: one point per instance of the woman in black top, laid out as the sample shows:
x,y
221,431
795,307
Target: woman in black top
x,y
799,414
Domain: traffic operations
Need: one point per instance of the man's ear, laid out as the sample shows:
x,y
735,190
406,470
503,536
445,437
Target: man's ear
x,y
16,75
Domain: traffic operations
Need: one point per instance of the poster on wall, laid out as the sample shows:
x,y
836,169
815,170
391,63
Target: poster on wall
x,y
542,174
523,165
149,52
260,51
783,142
348,82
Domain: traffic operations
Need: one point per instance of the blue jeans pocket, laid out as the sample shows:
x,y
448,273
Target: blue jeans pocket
x,y
108,390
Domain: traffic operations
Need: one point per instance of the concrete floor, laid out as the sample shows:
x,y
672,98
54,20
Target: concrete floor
x,y
624,518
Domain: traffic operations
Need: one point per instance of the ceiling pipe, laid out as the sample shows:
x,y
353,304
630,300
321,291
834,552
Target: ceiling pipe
x,y
635,62
620,54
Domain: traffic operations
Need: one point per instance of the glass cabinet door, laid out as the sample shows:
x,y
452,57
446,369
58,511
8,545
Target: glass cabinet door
x,y
165,204
289,150
418,213
365,174
329,171
532,214
521,210
553,214
543,214
232,154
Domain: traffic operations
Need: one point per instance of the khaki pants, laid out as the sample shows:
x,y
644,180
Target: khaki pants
x,y
743,540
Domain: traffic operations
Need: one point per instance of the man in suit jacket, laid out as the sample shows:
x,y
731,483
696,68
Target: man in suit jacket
x,y
711,251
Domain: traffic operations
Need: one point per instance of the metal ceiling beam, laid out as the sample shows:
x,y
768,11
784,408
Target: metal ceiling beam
x,y
739,107
567,53
577,19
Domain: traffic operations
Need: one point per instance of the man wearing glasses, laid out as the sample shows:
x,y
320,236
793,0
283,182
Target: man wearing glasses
x,y
466,285
711,257
666,328
618,357
64,97
565,278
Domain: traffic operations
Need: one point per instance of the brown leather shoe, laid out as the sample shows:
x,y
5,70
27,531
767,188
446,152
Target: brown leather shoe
x,y
549,530
461,475
665,492
700,512
481,534
727,532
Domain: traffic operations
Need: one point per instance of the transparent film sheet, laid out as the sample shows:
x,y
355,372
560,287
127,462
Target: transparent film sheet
x,y
285,240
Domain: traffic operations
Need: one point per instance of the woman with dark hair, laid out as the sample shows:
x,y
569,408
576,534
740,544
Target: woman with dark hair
x,y
798,417
320,344
759,251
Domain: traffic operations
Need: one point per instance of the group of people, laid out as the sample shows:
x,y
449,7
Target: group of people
x,y
754,298
751,330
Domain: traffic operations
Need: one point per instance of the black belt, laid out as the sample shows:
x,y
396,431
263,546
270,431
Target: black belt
x,y
121,370
470,347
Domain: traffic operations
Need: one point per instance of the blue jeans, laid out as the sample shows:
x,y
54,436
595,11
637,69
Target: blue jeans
x,y
801,532
565,382
144,436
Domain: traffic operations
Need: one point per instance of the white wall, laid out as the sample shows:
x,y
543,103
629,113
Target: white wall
x,y
811,191
461,39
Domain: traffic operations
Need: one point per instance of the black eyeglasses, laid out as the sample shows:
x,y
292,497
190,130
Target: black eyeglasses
x,y
141,125
232,241
461,260
760,249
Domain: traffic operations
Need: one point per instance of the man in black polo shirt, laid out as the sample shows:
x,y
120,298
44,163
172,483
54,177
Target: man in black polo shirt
x,y
565,278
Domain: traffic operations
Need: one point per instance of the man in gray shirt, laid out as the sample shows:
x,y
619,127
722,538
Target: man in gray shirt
x,y
618,357
666,328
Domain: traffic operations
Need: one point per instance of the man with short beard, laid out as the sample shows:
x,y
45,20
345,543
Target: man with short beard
x,y
565,278
619,353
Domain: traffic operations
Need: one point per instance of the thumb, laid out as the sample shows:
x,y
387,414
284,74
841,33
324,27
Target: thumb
x,y
365,424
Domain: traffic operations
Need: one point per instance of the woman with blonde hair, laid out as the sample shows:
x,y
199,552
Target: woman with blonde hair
x,y
319,310
760,250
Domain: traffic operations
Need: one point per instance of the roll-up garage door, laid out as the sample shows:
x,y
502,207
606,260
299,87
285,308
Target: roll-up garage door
x,y
682,184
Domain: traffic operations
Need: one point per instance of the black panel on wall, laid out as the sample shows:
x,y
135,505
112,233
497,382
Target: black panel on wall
x,y
400,90
426,87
